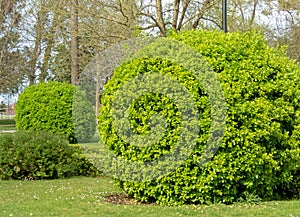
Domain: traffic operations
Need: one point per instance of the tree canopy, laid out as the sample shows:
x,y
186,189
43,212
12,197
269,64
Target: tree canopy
x,y
41,40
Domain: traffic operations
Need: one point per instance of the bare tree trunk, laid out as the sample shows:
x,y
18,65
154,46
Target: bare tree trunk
x,y
50,41
74,43
205,6
176,14
253,13
160,19
37,44
184,10
97,100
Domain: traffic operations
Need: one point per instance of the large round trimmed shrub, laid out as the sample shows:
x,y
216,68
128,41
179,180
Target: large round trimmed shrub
x,y
56,107
259,153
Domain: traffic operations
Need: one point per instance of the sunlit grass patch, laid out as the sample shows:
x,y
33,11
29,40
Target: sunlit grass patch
x,y
85,197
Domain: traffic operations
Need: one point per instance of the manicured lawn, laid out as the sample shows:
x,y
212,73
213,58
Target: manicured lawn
x,y
85,197
9,127
7,124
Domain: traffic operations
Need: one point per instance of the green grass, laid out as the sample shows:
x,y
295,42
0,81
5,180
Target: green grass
x,y
7,127
85,197
7,122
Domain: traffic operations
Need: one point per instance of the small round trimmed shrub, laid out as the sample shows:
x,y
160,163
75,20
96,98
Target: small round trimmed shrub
x,y
259,153
41,155
56,107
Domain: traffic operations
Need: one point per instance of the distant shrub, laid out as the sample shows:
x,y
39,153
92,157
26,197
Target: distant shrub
x,y
41,155
56,107
259,153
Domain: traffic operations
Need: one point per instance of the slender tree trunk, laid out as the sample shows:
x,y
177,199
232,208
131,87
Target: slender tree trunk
x,y
205,6
37,44
74,43
50,42
97,100
160,19
253,13
183,13
176,14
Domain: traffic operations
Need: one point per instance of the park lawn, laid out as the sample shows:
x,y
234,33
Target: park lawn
x,y
7,122
85,197
8,127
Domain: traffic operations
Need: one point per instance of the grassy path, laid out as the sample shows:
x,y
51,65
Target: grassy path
x,y
85,197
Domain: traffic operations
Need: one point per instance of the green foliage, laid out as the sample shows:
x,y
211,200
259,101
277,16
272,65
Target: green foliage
x,y
83,117
82,164
56,107
41,156
61,60
144,108
259,153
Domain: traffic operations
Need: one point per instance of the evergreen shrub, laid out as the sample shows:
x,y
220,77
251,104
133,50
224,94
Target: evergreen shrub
x,y
259,153
41,155
56,107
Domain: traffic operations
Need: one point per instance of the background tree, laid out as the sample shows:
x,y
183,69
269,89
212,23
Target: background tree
x,y
278,19
100,24
74,42
288,28
36,39
12,62
178,15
